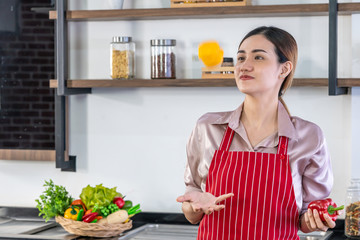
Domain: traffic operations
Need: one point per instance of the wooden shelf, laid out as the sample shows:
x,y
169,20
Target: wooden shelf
x,y
209,12
134,83
27,154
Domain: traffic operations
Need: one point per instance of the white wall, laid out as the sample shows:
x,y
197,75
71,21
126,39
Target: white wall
x,y
135,138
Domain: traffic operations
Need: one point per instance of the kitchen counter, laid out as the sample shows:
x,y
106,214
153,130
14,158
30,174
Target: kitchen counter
x,y
30,215
175,218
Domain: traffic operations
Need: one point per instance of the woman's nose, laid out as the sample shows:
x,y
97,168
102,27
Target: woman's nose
x,y
245,65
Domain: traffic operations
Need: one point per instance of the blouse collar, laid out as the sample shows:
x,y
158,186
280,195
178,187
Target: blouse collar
x,y
285,123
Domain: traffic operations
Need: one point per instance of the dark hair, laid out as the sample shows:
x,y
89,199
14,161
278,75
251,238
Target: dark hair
x,y
285,48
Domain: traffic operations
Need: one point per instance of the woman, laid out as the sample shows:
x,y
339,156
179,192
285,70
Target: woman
x,y
252,172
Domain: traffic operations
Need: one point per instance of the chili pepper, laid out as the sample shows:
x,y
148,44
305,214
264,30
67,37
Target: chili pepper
x,y
119,202
99,217
71,213
89,217
79,203
80,215
326,206
88,211
94,221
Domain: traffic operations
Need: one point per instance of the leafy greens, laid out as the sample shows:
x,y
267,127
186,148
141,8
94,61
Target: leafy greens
x,y
54,200
99,195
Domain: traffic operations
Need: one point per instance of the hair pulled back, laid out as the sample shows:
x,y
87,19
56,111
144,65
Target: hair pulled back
x,y
285,48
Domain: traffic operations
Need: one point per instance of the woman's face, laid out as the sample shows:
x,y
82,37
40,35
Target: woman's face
x,y
257,70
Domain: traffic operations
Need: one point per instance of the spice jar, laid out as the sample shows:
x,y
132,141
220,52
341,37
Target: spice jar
x,y
227,62
122,54
163,58
352,210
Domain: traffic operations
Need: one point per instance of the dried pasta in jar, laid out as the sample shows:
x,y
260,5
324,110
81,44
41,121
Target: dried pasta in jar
x,y
122,58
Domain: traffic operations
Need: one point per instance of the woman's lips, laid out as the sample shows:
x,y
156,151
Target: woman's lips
x,y
246,77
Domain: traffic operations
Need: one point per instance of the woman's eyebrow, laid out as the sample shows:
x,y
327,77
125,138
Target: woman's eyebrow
x,y
253,51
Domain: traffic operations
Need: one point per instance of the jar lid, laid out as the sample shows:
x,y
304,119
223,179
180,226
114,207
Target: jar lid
x,y
228,59
353,189
121,39
163,42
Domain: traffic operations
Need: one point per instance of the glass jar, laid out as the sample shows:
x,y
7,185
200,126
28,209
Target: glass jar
x,y
352,210
355,182
122,54
163,58
227,62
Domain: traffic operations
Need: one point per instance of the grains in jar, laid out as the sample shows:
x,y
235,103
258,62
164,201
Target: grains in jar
x,y
122,58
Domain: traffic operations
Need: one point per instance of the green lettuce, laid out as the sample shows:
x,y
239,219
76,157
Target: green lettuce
x,y
99,195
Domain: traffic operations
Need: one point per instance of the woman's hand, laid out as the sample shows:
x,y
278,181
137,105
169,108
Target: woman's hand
x,y
310,221
203,201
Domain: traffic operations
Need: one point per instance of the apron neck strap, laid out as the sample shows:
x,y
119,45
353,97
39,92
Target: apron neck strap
x,y
227,139
283,145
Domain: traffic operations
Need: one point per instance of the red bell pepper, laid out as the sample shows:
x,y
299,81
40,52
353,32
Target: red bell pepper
x,y
119,202
326,206
89,217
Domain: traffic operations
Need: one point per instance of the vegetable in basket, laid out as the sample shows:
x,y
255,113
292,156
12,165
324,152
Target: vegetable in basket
x,y
90,217
121,216
79,204
80,215
99,194
111,208
72,213
54,200
119,201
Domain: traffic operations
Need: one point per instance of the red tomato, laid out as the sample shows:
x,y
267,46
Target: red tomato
x,y
119,202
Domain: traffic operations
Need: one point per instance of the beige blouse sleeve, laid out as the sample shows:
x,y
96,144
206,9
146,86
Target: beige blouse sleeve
x,y
194,151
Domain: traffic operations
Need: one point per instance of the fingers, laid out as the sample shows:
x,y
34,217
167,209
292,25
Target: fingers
x,y
319,223
219,207
314,222
329,222
209,211
309,219
184,198
180,199
223,197
204,202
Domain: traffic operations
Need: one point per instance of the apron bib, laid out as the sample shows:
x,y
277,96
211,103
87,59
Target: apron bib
x,y
263,206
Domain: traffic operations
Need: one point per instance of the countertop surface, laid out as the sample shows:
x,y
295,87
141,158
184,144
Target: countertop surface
x,y
177,218
140,220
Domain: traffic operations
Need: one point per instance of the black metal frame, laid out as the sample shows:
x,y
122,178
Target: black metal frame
x,y
62,71
333,43
63,161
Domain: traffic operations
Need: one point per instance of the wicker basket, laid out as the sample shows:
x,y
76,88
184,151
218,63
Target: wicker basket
x,y
93,229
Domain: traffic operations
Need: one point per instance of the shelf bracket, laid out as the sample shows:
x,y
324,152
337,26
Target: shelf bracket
x,y
62,158
333,44
61,52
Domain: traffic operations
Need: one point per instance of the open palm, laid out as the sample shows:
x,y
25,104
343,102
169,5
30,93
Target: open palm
x,y
204,201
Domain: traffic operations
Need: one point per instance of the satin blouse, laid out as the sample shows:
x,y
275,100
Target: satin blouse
x,y
308,154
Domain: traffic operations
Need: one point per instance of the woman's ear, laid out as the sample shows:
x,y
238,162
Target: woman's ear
x,y
286,68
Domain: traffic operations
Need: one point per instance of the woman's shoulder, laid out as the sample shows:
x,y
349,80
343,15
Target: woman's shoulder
x,y
214,118
307,129
304,124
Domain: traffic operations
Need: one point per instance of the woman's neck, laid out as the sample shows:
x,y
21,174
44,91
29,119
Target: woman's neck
x,y
259,117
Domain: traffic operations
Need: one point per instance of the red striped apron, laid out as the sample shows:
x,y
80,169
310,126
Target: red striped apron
x,y
263,206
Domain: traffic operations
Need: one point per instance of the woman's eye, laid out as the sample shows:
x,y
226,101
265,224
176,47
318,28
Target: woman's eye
x,y
259,57
241,59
